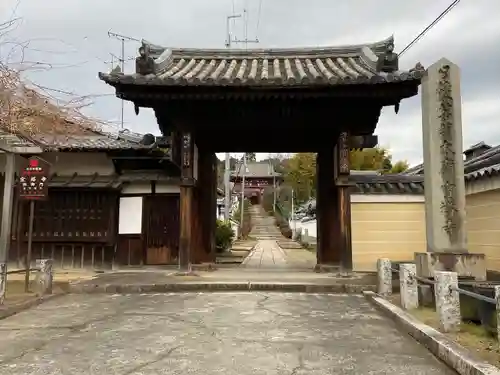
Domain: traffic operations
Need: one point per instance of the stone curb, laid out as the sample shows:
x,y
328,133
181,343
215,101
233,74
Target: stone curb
x,y
85,288
19,307
454,355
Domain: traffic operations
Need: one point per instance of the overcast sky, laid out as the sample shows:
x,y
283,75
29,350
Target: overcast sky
x,y
72,36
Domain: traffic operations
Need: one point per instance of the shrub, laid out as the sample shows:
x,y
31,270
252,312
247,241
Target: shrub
x,y
223,235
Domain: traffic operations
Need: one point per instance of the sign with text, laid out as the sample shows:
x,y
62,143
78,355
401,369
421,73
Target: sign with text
x,y
33,181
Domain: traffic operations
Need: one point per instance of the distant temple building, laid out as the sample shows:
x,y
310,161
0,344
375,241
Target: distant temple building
x,y
258,176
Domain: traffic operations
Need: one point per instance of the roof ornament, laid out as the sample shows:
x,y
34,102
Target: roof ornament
x,y
116,70
144,63
388,62
418,68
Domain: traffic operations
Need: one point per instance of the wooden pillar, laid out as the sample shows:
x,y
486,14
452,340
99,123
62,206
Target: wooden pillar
x,y
206,191
343,198
186,202
326,208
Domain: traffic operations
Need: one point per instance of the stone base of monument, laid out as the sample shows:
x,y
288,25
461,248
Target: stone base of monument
x,y
464,264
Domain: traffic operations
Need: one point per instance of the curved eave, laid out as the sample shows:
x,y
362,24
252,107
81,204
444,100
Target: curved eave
x,y
155,81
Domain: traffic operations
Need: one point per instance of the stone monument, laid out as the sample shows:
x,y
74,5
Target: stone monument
x,y
444,177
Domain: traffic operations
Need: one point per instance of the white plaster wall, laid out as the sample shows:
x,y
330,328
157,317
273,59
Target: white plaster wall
x,y
145,188
170,189
65,163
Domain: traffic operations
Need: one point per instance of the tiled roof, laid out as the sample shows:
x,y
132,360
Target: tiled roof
x,y
490,171
354,64
484,165
87,142
387,184
258,169
112,181
14,140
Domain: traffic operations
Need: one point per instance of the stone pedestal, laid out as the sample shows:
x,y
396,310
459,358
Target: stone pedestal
x,y
464,264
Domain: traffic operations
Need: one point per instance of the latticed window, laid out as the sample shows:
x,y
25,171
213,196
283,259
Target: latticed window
x,y
73,215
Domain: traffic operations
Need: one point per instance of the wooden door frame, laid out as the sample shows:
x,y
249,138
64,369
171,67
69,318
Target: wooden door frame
x,y
144,219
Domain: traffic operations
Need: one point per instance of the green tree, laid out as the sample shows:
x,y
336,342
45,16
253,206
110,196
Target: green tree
x,y
300,174
400,166
299,171
369,159
250,156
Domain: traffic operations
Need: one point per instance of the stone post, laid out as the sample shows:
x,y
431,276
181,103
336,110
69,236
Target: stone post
x,y
306,235
444,177
408,286
3,282
447,301
44,276
443,158
497,298
384,275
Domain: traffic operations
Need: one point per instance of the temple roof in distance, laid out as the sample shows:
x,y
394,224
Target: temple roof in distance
x,y
255,170
324,66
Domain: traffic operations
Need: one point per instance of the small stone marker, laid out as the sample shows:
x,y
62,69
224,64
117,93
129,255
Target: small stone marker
x,y
384,274
44,276
408,286
3,282
447,300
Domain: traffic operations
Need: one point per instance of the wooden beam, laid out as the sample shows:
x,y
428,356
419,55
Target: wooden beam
x,y
363,141
186,203
326,210
343,199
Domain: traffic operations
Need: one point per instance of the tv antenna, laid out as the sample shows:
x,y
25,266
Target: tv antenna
x,y
245,39
121,59
229,37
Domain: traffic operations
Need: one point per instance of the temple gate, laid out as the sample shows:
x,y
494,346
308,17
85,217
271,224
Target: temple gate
x,y
322,100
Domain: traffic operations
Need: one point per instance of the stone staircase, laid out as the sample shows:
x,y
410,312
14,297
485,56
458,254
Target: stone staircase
x,y
263,227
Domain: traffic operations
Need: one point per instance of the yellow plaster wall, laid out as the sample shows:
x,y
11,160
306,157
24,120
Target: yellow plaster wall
x,y
386,230
483,226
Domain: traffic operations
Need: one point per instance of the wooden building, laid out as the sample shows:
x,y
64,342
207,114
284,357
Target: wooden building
x,y
104,192
326,100
258,176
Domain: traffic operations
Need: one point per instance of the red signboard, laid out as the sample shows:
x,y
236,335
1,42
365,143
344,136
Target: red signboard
x,y
33,181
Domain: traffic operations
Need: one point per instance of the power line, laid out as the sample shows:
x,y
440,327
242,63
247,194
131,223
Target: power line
x,y
430,26
259,12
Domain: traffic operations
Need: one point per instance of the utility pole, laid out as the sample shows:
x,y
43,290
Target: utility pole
x,y
227,165
242,207
8,185
227,186
122,38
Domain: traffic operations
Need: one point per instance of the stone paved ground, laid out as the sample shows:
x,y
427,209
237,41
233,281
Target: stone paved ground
x,y
266,254
214,333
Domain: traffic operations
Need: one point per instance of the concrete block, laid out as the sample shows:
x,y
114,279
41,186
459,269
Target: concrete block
x,y
447,301
408,286
384,276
